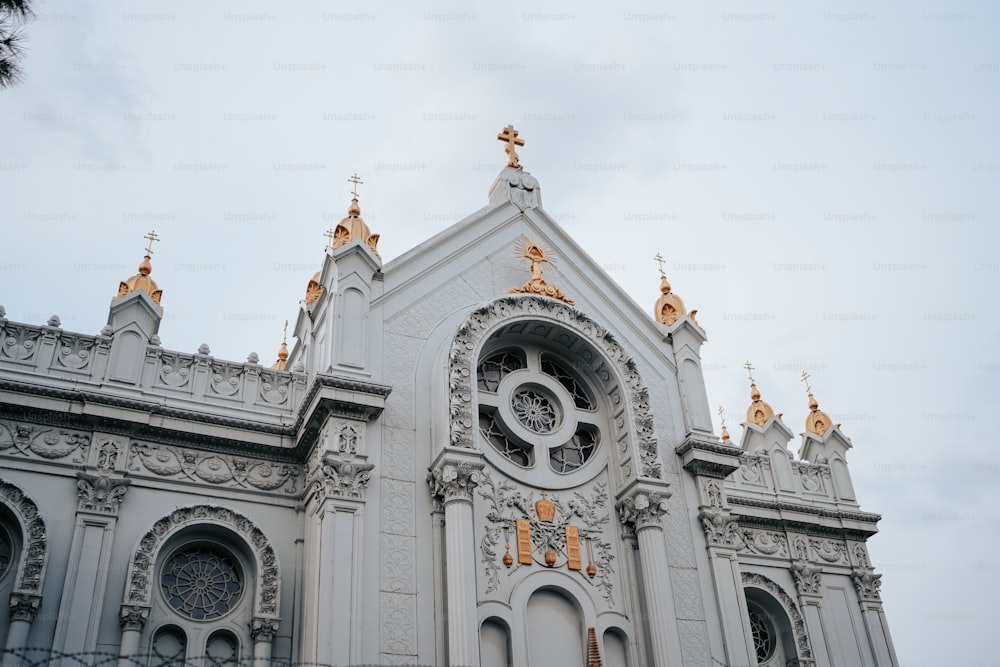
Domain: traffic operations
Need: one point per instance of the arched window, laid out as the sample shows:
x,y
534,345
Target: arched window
x,y
538,410
771,632
169,647
222,649
10,552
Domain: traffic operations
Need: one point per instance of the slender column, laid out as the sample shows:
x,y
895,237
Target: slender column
x,y
262,631
867,584
132,619
23,610
642,512
453,482
808,582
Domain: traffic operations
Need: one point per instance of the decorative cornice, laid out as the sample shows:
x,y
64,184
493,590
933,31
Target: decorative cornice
x,y
451,482
132,617
709,459
100,493
864,517
24,606
486,320
643,510
263,629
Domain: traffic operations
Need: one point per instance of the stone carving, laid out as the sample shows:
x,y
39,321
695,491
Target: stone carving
x,y
75,351
24,607
263,629
713,493
868,585
274,386
19,342
802,645
100,493
482,322
108,452
861,557
223,469
750,471
33,441
643,510
35,550
829,550
808,579
810,477
455,481
506,504
800,548
764,542
175,369
132,617
226,378
140,572
721,528
348,437
336,477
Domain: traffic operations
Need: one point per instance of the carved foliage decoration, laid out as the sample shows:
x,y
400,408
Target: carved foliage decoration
x,y
24,607
35,551
462,364
274,386
455,481
643,510
34,441
20,342
721,527
802,645
808,579
132,617
100,493
506,504
223,469
175,369
142,565
764,542
334,476
226,378
829,551
868,585
74,351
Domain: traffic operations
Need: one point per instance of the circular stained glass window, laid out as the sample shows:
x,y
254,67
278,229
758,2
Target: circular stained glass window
x,y
202,583
534,411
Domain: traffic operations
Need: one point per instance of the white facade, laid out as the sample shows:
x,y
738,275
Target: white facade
x,y
378,502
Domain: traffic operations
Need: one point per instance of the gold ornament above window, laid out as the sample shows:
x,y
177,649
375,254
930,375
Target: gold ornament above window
x,y
537,255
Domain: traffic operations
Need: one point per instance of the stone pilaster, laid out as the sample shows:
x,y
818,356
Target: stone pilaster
x,y
809,585
452,480
641,509
132,619
867,584
262,632
23,610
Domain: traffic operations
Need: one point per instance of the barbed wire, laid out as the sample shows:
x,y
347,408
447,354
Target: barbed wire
x,y
46,657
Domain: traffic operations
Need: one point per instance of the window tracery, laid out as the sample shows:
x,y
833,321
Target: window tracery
x,y
763,636
202,583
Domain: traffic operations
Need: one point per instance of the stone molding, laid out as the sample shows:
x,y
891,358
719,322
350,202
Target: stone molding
x,y
455,481
141,568
34,548
101,494
802,644
24,606
132,617
482,323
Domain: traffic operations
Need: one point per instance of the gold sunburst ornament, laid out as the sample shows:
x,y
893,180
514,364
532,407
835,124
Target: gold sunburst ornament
x,y
536,253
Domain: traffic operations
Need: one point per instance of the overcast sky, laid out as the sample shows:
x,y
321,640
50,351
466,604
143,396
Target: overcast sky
x,y
822,180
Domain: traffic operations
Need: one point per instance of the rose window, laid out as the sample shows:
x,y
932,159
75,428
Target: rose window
x,y
201,583
533,408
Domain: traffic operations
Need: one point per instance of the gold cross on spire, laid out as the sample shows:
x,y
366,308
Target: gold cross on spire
x,y
659,258
329,234
357,181
509,134
805,378
284,333
749,370
152,237
722,415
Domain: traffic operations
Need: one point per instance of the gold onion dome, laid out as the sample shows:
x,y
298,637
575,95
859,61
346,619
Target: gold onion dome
x,y
669,307
313,289
817,422
354,227
279,365
141,280
759,411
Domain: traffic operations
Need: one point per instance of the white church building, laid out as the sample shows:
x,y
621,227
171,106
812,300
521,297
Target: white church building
x,y
471,456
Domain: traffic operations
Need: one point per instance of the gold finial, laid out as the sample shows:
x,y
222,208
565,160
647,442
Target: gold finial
x,y
279,365
669,307
353,226
509,134
142,280
817,422
537,255
722,416
759,411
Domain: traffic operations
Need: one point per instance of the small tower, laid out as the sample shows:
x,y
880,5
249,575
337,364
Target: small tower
x,y
353,227
765,434
134,319
823,442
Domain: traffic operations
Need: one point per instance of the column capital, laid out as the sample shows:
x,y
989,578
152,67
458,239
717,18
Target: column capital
x,y
868,584
263,629
338,476
808,581
454,480
643,509
24,606
132,617
101,494
720,527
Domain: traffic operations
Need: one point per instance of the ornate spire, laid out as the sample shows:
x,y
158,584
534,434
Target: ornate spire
x,y
817,422
279,365
759,411
509,134
534,253
142,280
353,226
669,307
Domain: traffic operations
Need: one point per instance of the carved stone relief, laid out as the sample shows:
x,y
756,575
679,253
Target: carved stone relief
x,y
102,494
75,352
482,322
132,617
24,607
339,477
274,387
175,369
141,567
764,542
721,528
226,378
35,441
222,469
808,579
35,550
19,342
868,584
455,481
829,551
802,644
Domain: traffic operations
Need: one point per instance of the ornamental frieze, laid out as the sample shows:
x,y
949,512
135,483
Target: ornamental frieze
x,y
33,441
211,468
557,531
764,542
